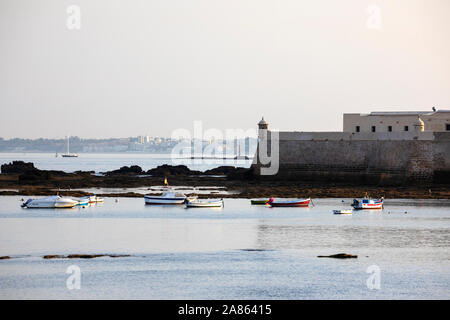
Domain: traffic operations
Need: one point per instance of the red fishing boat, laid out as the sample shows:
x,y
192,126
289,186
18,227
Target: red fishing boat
x,y
289,202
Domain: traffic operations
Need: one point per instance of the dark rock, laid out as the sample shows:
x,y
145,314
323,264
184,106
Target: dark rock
x,y
53,256
222,170
87,173
84,256
34,176
339,256
18,167
232,173
168,170
5,257
126,170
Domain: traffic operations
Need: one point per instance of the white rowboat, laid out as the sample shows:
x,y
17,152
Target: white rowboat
x,y
205,203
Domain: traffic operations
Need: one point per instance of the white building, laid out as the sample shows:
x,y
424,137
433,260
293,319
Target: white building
x,y
416,121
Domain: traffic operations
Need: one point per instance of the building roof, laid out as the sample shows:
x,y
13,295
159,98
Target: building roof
x,y
400,113
262,121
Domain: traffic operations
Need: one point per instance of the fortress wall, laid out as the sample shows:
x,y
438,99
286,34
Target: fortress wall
x,y
441,157
364,157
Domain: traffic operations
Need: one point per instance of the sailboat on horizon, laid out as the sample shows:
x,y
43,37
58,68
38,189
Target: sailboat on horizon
x,y
68,154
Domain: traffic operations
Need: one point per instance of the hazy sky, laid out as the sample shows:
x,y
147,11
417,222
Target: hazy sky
x,y
149,67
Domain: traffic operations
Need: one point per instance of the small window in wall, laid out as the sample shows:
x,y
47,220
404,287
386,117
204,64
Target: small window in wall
x,y
406,128
447,127
374,128
390,128
357,129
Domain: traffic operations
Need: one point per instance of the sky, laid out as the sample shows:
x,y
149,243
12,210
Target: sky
x,y
147,67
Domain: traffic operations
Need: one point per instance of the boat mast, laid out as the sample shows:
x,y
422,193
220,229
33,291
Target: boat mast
x,y
67,144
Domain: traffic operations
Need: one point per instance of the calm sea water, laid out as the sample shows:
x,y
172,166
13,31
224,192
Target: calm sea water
x,y
102,162
238,252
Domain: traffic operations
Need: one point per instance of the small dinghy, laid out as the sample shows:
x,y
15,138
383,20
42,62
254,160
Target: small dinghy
x,y
367,203
349,211
259,201
50,202
289,202
204,203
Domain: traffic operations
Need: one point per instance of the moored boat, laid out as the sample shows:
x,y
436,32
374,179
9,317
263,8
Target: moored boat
x,y
259,201
168,197
50,202
68,154
289,202
214,203
349,211
367,203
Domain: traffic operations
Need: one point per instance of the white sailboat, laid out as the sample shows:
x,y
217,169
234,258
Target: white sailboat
x,y
68,154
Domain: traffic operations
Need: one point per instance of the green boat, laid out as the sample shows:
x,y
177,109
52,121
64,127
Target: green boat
x,y
259,201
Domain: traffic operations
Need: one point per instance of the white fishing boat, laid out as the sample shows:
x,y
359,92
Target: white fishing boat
x,y
168,196
349,211
214,203
50,202
68,154
367,203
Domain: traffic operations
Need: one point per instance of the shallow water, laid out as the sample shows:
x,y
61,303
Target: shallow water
x,y
238,252
102,162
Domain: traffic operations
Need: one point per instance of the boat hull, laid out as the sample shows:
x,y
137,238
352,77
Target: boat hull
x,y
293,203
36,204
259,201
161,200
204,204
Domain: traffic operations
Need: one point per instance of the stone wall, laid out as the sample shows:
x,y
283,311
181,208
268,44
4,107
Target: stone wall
x,y
373,158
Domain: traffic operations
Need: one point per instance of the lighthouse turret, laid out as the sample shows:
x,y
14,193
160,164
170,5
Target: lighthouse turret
x,y
263,125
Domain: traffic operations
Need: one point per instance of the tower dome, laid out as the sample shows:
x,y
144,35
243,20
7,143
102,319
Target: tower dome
x,y
263,124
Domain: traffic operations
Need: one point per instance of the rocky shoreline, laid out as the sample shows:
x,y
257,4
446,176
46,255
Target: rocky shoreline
x,y
20,178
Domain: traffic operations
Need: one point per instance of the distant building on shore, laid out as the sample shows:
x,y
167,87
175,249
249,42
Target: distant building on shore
x,y
376,148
